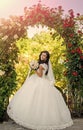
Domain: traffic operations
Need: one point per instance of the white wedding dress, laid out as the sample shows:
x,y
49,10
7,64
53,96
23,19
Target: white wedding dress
x,y
39,105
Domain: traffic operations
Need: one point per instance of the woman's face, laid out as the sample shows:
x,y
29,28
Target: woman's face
x,y
43,56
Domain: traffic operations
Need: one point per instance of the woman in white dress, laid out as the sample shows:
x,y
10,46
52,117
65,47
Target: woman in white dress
x,y
38,104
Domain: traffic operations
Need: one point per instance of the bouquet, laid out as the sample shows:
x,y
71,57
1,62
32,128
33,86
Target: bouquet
x,y
34,65
2,72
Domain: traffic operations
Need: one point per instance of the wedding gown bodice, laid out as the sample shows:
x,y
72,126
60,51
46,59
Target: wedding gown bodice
x,y
45,69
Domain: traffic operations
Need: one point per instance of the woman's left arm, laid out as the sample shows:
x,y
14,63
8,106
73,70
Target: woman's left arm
x,y
39,72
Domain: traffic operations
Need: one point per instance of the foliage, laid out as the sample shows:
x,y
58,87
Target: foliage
x,y
8,57
73,39
74,55
29,49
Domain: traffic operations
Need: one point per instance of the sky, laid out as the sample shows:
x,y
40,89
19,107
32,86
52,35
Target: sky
x,y
16,7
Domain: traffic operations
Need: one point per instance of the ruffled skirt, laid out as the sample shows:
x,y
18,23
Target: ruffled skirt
x,y
39,105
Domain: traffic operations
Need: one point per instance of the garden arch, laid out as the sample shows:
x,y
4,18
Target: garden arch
x,y
14,27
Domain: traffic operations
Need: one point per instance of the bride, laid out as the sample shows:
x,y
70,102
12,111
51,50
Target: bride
x,y
38,104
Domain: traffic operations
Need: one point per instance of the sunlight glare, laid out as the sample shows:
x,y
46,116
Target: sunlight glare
x,y
5,3
35,30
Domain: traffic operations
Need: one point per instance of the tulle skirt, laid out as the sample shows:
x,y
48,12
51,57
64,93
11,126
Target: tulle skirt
x,y
39,105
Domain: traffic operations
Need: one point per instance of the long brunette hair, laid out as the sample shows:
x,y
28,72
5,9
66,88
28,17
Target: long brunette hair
x,y
46,61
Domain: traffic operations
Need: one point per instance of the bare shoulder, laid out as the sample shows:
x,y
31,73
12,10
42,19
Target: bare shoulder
x,y
41,66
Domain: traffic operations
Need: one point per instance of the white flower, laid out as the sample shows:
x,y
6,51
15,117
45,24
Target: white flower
x,y
34,64
2,72
18,24
4,38
15,36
